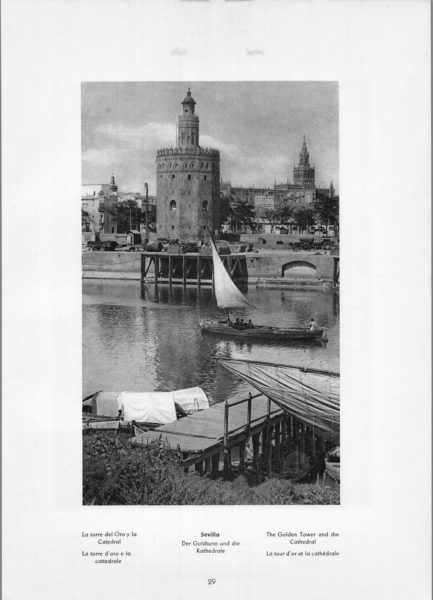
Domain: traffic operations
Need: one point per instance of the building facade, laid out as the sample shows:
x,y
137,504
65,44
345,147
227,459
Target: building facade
x,y
91,196
188,183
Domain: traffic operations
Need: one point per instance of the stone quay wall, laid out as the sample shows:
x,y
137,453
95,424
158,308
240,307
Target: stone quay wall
x,y
264,265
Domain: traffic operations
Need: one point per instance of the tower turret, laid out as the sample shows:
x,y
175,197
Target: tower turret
x,y
188,124
304,174
113,186
304,157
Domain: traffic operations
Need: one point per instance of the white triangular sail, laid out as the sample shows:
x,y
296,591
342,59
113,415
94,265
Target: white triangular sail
x,y
226,292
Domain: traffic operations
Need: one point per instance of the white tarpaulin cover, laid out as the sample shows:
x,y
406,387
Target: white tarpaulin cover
x,y
310,395
149,407
191,399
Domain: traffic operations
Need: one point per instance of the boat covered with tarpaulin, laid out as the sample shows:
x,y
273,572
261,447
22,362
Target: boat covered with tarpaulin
x,y
228,296
310,395
146,407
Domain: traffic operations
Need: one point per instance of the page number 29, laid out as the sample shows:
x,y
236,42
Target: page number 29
x,y
211,581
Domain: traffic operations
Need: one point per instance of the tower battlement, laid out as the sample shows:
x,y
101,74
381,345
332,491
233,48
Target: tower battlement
x,y
196,150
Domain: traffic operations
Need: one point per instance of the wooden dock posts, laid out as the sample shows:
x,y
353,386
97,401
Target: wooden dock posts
x,y
270,440
190,269
251,433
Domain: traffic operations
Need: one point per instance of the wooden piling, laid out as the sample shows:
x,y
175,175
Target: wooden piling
x,y
313,444
227,453
215,459
302,437
278,443
241,457
170,267
185,456
198,270
184,270
250,399
207,465
156,268
269,450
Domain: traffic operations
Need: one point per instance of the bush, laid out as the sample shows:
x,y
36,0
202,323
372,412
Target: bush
x,y
117,472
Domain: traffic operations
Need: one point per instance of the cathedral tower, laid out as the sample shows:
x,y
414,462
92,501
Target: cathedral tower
x,y
188,183
304,174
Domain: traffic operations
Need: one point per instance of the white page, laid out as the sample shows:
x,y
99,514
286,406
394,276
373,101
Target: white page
x,y
379,53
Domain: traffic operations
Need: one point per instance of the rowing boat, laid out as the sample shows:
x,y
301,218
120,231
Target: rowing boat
x,y
266,333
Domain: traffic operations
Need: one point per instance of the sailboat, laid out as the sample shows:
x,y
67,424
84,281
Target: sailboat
x,y
229,296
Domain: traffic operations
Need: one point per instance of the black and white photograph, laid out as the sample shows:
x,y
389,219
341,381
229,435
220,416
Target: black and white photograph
x,y
210,263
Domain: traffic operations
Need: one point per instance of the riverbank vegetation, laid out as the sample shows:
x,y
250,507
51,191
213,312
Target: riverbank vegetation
x,y
117,472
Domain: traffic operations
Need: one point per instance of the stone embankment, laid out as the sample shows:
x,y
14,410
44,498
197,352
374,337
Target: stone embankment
x,y
272,268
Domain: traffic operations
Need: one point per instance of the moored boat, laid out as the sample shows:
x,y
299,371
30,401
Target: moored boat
x,y
105,409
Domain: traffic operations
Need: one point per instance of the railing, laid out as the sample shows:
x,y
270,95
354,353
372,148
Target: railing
x,y
250,421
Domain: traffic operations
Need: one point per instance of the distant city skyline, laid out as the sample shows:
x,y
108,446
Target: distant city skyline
x,y
257,126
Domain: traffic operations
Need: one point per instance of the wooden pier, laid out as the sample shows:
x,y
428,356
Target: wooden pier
x,y
189,269
206,436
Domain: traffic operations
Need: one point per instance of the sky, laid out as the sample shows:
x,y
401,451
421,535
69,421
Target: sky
x,y
257,126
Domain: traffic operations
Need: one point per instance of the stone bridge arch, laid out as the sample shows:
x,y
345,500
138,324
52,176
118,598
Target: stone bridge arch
x,y
299,269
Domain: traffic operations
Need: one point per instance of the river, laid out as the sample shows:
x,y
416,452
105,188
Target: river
x,y
155,343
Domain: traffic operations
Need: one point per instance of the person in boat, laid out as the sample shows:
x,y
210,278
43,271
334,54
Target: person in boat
x,y
236,324
242,324
312,325
250,324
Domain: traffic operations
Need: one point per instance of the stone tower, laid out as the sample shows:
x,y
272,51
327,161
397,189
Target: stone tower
x,y
304,174
188,183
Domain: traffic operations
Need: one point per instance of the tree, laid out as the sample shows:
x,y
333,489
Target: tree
x,y
285,214
225,210
128,215
272,216
328,209
244,215
304,217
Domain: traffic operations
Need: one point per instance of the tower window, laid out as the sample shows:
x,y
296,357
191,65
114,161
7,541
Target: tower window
x,y
172,226
172,205
205,177
192,165
172,177
185,165
189,177
205,205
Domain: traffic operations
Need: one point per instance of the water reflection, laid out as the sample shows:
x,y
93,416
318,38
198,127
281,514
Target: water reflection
x,y
131,342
